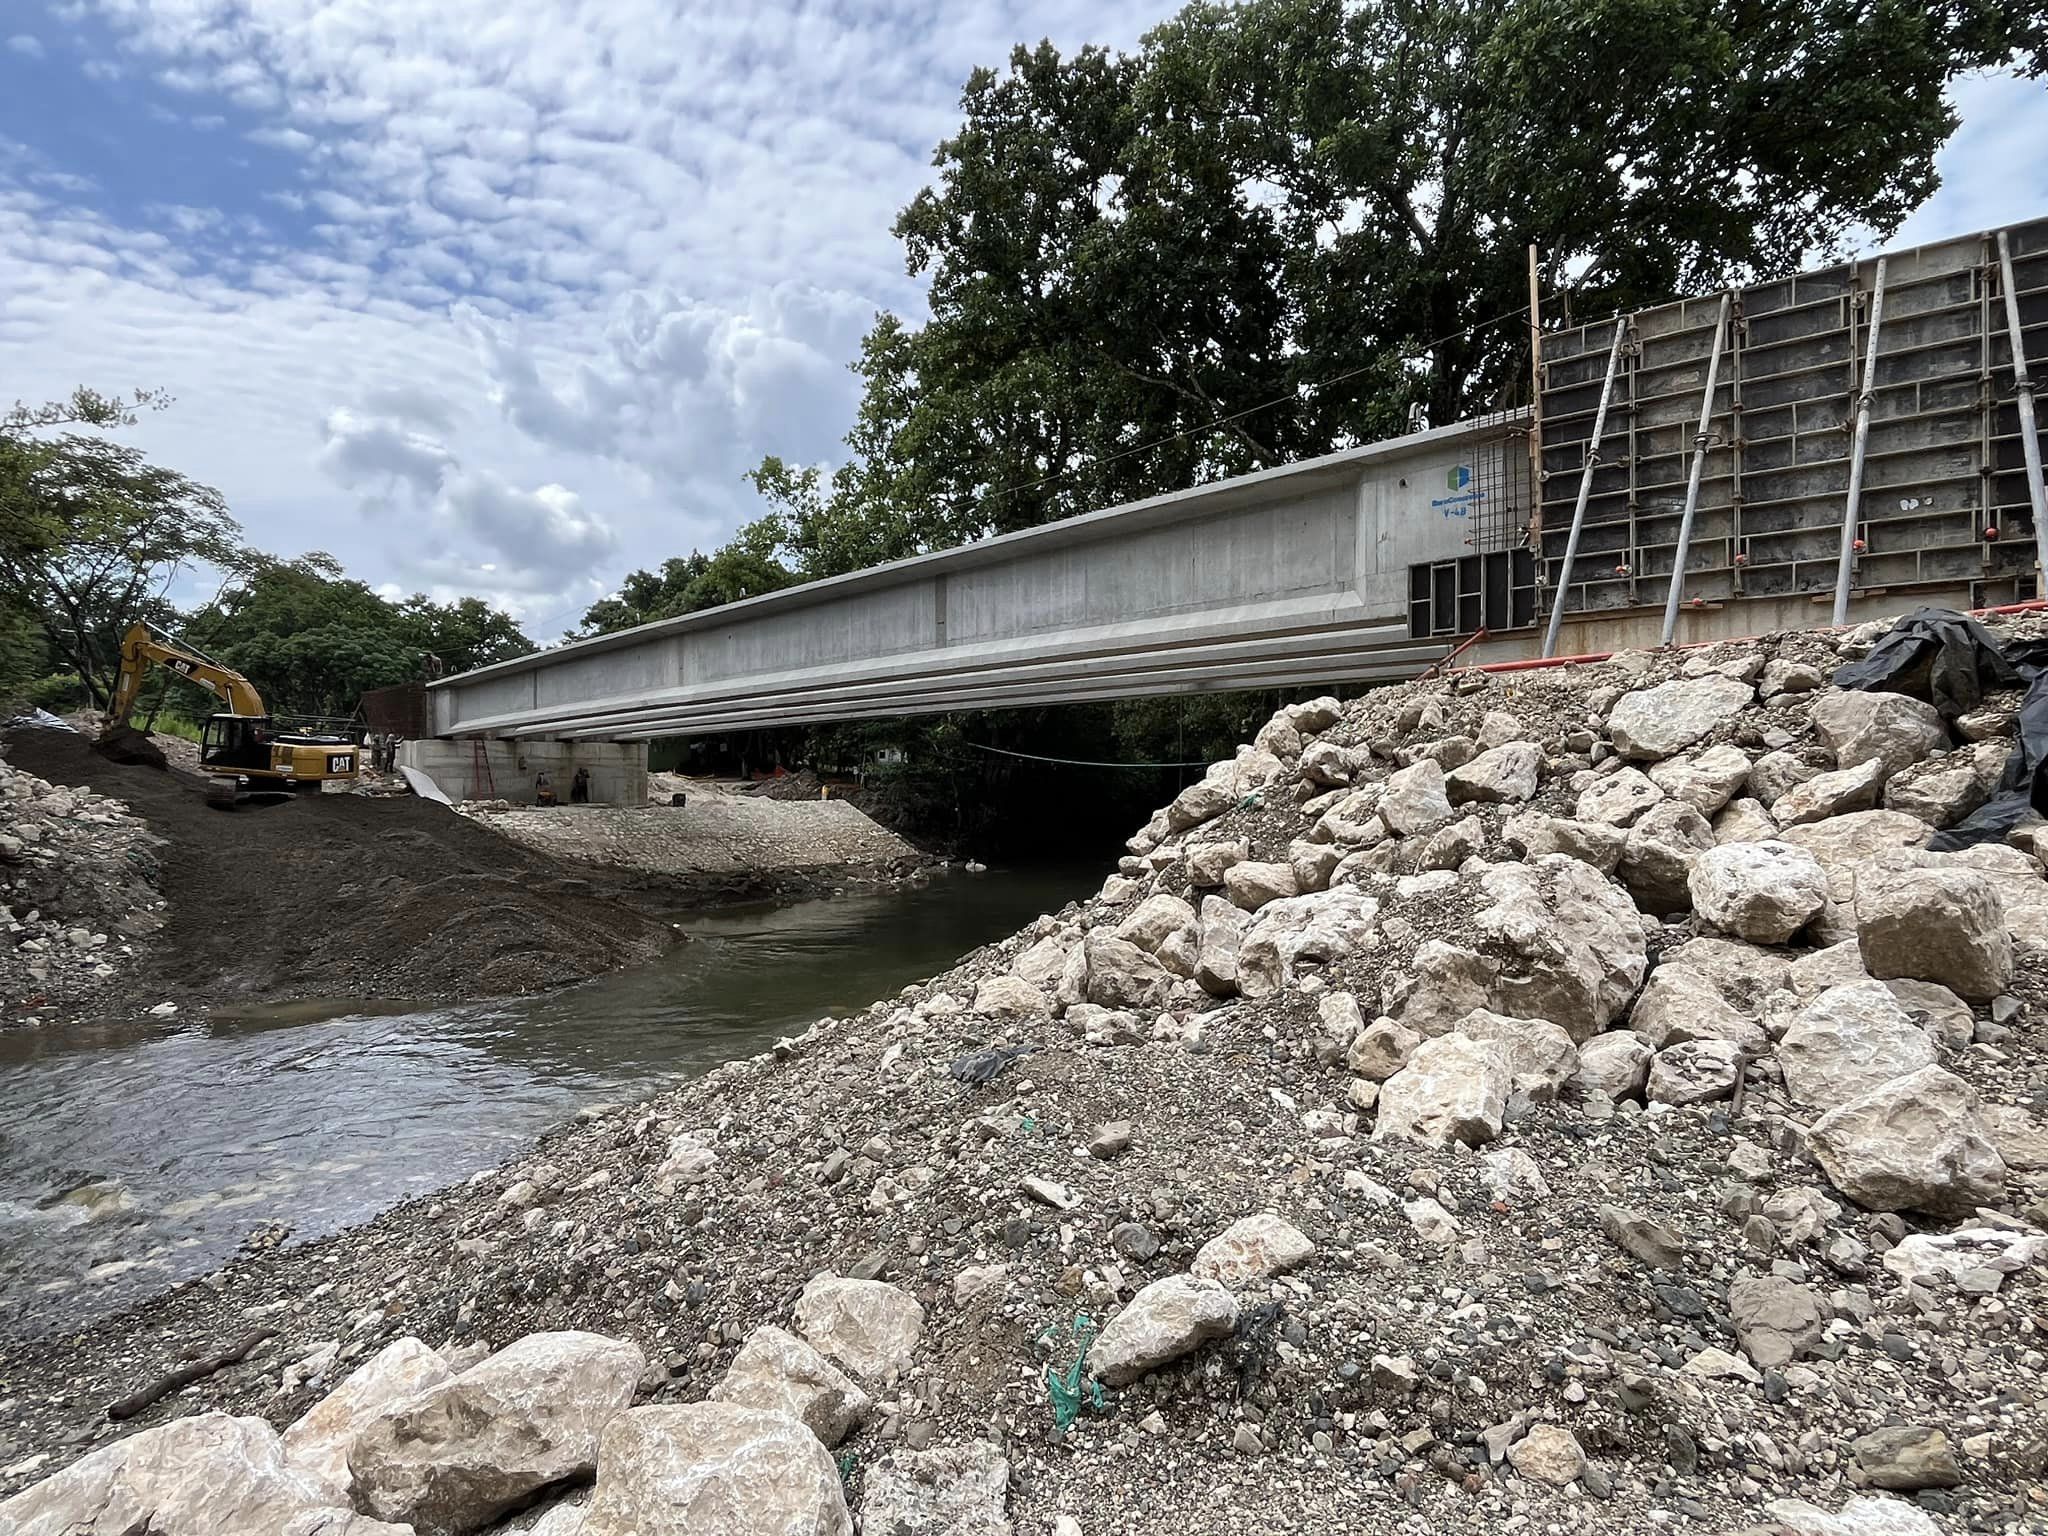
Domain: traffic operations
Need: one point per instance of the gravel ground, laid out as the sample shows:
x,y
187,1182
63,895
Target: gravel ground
x,y
1457,1295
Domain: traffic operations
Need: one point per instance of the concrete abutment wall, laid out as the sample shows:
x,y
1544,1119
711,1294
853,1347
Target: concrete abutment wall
x,y
510,770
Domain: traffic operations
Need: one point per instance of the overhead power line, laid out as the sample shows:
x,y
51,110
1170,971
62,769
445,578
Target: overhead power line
x,y
1074,762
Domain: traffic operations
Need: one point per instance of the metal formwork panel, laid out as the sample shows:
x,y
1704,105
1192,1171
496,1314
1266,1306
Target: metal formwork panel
x,y
1944,492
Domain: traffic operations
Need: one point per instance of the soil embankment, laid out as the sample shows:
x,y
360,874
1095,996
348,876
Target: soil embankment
x,y
1560,1101
336,895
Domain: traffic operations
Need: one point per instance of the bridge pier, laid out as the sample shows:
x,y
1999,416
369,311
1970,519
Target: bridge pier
x,y
508,770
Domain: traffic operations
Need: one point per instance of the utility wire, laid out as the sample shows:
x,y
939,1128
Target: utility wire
x,y
1073,762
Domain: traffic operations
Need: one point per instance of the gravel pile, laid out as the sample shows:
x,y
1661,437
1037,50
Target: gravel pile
x,y
1559,1100
78,875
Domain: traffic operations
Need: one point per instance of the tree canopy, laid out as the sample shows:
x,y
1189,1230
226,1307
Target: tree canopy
x,y
1278,225
314,641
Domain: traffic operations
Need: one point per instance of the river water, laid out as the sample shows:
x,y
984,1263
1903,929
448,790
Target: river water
x,y
135,1156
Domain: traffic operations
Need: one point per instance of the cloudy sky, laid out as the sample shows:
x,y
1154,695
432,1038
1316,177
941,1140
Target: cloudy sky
x,y
502,296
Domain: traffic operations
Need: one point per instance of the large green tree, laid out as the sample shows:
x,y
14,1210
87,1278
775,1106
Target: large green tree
x,y
93,536
1278,225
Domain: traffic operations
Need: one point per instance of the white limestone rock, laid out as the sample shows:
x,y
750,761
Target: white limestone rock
x,y
1252,885
1865,1515
464,1451
1208,861
1534,835
1251,1250
1915,1143
1745,976
319,1442
1706,781
1657,860
1777,1320
673,1469
1782,677
1946,1257
1549,1453
868,1326
1167,1319
1443,983
1847,1041
1121,975
1284,938
1042,963
1381,1049
1942,790
1616,1064
1570,945
1682,1004
1222,929
1943,925
1501,775
1763,892
1653,723
1415,800
1618,798
209,1474
1697,1072
779,1373
1540,1053
1744,821
1889,729
1454,1089
1776,774
1353,821
1156,920
1011,997
1826,795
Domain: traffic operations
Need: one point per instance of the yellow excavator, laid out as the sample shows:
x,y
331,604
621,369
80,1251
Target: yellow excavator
x,y
240,750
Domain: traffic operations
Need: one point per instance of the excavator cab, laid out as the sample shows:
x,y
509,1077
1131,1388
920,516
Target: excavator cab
x,y
239,742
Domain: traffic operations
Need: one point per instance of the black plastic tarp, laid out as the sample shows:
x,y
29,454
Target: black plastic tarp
x,y
1951,661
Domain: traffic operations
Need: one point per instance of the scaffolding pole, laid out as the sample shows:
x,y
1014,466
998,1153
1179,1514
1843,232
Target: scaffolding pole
x,y
1846,560
2023,387
1571,543
1533,532
1700,443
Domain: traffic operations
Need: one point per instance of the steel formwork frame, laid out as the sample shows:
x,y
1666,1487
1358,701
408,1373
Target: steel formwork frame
x,y
1944,485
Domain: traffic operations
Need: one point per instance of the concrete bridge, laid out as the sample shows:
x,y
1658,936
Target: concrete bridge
x,y
1865,434
1293,576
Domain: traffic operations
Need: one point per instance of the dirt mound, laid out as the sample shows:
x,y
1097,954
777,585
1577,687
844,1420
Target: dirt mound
x,y
125,744
345,896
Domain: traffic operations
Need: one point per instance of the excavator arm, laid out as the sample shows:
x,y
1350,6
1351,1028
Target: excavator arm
x,y
142,648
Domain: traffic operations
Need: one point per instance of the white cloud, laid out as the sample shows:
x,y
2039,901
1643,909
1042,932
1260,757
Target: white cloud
x,y
27,46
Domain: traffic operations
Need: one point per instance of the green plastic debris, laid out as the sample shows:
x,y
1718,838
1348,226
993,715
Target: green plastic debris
x,y
1070,1390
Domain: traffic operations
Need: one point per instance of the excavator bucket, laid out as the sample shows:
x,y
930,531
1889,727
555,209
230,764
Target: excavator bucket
x,y
125,744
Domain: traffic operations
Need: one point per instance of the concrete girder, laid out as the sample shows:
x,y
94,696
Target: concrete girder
x,y
1376,666
1300,655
